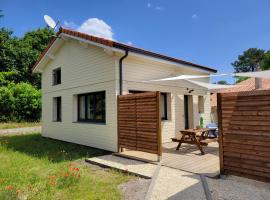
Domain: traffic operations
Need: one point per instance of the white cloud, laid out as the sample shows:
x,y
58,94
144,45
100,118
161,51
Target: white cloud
x,y
194,16
155,7
129,43
70,24
96,27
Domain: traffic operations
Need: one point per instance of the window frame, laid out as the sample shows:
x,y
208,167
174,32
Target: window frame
x,y
58,111
55,78
165,106
79,119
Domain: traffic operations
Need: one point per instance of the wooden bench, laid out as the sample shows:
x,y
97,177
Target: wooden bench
x,y
198,137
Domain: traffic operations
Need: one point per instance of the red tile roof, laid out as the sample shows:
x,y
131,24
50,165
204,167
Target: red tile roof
x,y
119,45
246,85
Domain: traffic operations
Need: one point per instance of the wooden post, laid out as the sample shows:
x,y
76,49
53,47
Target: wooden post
x,y
219,112
119,149
159,127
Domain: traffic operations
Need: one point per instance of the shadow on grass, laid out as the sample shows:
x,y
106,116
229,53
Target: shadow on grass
x,y
55,150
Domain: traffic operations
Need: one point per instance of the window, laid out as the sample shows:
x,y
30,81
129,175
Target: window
x,y
57,76
57,109
91,107
163,106
201,104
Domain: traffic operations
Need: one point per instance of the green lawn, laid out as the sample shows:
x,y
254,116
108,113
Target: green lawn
x,y
18,124
33,167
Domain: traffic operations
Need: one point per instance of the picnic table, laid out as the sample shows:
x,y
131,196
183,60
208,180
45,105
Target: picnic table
x,y
199,137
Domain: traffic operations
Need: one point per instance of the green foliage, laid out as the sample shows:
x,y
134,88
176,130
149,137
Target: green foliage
x,y
6,104
249,60
27,102
223,82
34,167
20,102
20,54
7,78
240,79
201,122
265,63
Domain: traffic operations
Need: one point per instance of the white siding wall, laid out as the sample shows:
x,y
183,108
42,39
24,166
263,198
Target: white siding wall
x,y
136,70
83,70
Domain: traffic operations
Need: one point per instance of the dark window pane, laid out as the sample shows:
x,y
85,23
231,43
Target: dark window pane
x,y
90,107
163,106
57,76
94,105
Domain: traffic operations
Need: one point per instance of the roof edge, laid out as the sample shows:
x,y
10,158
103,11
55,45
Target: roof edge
x,y
118,45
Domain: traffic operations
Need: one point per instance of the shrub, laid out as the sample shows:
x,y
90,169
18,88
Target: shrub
x,y
20,102
27,102
6,104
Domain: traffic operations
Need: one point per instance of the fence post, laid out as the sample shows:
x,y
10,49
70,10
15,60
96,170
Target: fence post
x,y
219,112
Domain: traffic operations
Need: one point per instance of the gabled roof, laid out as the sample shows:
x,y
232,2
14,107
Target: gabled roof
x,y
120,46
243,86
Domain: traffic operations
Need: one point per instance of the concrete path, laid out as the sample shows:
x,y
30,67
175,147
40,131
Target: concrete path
x,y
167,183
176,184
34,129
139,168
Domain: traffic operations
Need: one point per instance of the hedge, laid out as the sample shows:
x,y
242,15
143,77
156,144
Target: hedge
x,y
20,102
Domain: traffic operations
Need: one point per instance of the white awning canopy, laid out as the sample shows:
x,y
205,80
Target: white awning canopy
x,y
210,86
261,74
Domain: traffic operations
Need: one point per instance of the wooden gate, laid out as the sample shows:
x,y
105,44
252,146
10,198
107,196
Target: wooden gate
x,y
139,122
244,127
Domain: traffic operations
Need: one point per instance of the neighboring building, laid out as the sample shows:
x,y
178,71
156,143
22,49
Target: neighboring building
x,y
251,84
81,80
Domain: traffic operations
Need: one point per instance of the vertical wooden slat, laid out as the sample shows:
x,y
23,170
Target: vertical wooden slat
x,y
219,112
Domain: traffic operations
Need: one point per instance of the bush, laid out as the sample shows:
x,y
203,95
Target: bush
x,y
20,102
27,102
6,104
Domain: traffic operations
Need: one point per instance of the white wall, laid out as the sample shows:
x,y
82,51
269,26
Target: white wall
x,y
83,70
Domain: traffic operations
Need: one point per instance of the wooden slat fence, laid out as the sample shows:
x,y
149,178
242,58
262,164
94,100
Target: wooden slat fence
x,y
139,122
244,126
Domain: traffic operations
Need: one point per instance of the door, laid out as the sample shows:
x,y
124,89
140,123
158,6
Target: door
x,y
186,111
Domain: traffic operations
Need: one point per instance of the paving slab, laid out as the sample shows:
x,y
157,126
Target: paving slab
x,y
24,130
176,184
142,169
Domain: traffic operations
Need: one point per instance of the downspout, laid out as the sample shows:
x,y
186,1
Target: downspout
x,y
121,72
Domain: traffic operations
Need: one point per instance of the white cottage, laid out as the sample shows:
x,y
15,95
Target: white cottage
x,y
82,76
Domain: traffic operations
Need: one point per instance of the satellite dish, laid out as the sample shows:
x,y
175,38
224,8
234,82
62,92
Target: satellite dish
x,y
50,22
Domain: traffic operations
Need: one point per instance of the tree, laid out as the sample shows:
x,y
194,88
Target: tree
x,y
20,54
223,82
265,63
249,60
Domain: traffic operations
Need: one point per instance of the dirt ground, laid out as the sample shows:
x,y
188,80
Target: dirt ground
x,y
237,188
135,189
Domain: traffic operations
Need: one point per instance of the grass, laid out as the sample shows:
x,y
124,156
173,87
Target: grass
x,y
33,167
8,125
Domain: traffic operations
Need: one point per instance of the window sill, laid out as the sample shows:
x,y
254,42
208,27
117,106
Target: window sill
x,y
86,122
56,121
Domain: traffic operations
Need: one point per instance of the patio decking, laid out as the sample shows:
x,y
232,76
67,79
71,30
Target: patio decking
x,y
188,158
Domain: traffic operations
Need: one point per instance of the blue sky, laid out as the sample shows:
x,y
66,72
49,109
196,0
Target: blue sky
x,y
208,32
